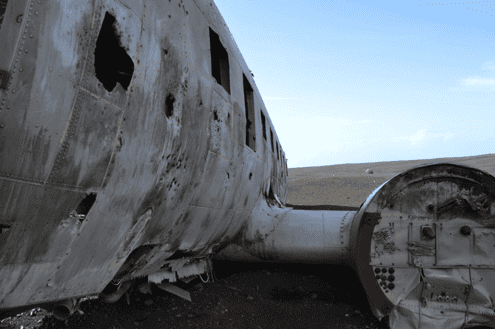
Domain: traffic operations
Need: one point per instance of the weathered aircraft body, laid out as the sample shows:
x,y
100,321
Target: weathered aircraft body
x,y
134,143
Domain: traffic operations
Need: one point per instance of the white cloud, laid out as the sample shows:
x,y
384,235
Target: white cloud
x,y
479,82
488,65
268,98
422,135
418,136
368,121
476,81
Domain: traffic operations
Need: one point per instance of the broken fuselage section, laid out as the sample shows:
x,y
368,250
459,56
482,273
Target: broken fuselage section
x,y
128,145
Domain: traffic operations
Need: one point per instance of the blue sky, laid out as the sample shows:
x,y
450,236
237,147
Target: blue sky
x,y
367,81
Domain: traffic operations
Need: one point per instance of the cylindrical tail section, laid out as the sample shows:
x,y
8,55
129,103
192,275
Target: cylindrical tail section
x,y
296,236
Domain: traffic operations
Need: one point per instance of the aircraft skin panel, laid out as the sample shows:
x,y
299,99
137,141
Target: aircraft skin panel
x,y
11,24
16,201
223,144
16,276
88,145
44,238
40,93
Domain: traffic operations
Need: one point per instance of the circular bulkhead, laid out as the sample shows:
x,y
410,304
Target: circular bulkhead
x,y
423,243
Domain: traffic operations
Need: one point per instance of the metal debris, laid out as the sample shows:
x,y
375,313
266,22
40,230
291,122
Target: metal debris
x,y
175,290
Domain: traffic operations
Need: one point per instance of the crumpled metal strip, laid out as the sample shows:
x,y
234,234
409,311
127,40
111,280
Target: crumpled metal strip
x,y
172,274
409,314
421,249
159,276
192,269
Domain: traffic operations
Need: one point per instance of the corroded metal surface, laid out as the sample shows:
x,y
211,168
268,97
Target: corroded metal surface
x,y
156,144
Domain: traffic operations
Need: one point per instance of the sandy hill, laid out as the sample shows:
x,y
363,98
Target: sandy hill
x,y
350,184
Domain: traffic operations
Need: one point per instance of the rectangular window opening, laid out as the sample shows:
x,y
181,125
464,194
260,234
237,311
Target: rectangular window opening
x,y
271,139
219,61
249,109
278,154
285,166
282,160
263,124
112,62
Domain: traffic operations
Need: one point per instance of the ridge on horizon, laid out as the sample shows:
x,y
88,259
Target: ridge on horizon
x,y
470,157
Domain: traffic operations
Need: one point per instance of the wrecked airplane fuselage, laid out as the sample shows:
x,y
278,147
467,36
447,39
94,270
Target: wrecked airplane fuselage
x,y
125,148
134,143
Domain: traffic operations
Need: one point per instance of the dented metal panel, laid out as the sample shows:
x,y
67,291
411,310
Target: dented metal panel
x,y
483,247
